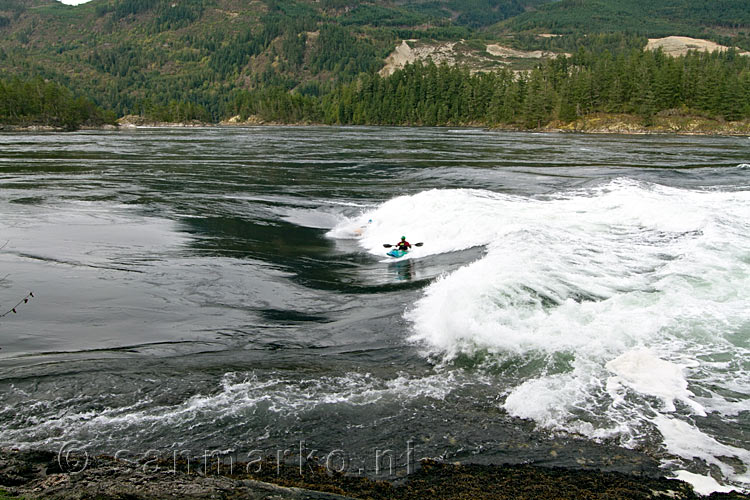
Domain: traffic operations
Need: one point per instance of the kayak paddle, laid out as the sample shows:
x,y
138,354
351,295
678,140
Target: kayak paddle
x,y
388,245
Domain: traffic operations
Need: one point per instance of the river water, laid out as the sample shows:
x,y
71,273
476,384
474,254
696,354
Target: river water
x,y
578,300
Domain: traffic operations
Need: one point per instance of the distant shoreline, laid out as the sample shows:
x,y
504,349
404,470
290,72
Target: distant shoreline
x,y
600,124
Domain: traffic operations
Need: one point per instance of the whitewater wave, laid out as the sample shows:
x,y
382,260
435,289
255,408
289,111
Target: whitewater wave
x,y
239,397
629,299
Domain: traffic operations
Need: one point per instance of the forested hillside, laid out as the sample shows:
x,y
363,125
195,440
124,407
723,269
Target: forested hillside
x,y
725,21
642,83
307,60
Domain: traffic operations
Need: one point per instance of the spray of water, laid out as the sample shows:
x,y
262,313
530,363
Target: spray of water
x,y
630,297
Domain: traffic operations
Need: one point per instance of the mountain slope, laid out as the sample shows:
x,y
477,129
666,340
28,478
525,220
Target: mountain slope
x,y
190,59
646,17
135,54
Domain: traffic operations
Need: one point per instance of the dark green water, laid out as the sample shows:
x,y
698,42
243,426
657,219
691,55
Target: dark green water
x,y
221,289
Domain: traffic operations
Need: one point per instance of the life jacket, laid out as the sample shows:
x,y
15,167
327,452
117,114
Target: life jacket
x,y
403,245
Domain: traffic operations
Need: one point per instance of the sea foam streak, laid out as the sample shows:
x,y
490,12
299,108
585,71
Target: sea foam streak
x,y
626,283
241,398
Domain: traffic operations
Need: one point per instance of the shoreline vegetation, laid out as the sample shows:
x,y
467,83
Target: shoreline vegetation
x,y
627,92
36,104
42,474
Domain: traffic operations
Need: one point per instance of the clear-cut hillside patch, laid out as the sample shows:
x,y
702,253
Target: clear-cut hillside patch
x,y
680,45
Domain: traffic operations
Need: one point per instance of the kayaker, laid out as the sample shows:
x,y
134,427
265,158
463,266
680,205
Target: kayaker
x,y
403,245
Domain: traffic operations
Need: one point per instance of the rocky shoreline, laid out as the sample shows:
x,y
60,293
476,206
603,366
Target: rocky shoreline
x,y
664,123
667,123
44,474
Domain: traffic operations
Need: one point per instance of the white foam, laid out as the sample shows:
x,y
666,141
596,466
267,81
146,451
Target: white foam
x,y
702,485
423,218
239,393
685,440
643,286
546,400
645,373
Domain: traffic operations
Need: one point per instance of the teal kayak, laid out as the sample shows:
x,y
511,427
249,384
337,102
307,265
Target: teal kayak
x,y
397,253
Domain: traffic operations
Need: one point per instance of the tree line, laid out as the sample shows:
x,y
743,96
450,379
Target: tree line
x,y
38,102
645,17
643,83
637,82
